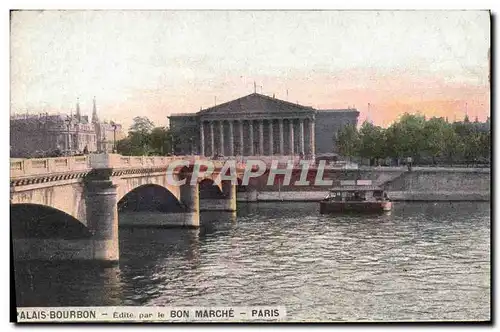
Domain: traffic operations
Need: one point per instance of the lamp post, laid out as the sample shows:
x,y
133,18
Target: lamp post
x,y
113,124
172,143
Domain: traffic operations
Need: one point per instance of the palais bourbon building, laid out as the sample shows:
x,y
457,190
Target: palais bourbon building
x,y
259,125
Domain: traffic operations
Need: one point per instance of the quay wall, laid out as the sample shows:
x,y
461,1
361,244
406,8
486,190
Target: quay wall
x,y
420,184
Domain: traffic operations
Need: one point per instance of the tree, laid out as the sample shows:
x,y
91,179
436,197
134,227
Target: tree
x,y
411,138
140,135
453,147
142,125
143,141
434,137
394,148
485,145
124,147
472,147
348,141
160,140
371,142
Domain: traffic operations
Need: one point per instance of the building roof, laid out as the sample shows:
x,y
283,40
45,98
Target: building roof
x,y
356,188
255,102
174,115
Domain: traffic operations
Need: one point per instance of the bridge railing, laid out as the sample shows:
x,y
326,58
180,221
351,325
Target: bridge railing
x,y
27,167
119,161
41,166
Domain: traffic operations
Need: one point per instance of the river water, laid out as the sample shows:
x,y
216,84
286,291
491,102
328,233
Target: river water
x,y
424,261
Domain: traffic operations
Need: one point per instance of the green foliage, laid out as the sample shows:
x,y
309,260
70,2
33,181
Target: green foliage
x,y
411,139
348,141
420,138
371,142
453,147
434,133
485,145
145,139
141,125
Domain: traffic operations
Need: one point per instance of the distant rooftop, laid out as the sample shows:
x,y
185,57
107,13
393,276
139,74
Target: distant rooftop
x,y
181,114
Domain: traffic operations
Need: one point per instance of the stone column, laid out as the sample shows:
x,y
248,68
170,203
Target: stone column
x,y
202,139
291,142
250,124
301,122
312,138
231,138
212,138
102,215
271,138
282,137
221,133
190,197
261,137
242,148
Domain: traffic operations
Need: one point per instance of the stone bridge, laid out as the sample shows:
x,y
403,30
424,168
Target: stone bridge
x,y
67,208
89,190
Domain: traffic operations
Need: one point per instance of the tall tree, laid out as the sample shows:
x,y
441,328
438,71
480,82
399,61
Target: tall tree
x,y
434,132
453,147
485,145
394,147
160,140
140,135
348,141
371,142
472,147
411,138
141,124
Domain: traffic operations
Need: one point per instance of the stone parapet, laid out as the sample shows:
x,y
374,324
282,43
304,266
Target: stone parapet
x,y
44,166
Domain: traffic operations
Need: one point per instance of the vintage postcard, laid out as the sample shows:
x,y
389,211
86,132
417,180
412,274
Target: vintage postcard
x,y
250,166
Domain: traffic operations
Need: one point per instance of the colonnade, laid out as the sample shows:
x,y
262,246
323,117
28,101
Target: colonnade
x,y
248,145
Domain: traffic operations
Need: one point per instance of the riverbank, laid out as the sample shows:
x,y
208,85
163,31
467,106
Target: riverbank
x,y
403,196
420,184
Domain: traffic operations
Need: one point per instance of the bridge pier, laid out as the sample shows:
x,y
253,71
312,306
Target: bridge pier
x,y
102,220
190,198
227,203
229,190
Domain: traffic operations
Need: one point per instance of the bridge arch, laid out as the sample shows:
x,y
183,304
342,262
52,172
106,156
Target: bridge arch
x,y
44,222
150,197
127,185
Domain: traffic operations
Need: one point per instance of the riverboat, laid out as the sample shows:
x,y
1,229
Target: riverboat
x,y
361,197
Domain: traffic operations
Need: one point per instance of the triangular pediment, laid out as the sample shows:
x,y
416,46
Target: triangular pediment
x,y
255,103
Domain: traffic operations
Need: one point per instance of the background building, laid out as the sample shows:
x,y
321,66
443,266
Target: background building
x,y
43,134
259,125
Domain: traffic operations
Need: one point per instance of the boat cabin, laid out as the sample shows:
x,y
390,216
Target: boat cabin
x,y
356,193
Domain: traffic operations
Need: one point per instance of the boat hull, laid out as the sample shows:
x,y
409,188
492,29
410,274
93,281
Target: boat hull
x,y
358,207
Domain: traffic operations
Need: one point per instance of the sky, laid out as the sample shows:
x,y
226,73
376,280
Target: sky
x,y
155,63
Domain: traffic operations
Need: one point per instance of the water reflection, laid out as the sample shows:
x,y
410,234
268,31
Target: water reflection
x,y
75,284
424,261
